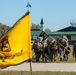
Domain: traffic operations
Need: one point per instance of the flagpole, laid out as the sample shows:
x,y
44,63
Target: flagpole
x,y
30,66
28,6
59,43
42,34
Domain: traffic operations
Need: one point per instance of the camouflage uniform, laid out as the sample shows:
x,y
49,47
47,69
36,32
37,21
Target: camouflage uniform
x,y
74,50
46,51
43,51
53,50
61,49
37,49
67,53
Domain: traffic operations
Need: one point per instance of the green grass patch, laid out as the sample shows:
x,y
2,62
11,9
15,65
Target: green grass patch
x,y
35,73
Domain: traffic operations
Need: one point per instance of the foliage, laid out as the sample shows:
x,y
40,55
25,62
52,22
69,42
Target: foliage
x,y
47,30
3,28
73,23
35,26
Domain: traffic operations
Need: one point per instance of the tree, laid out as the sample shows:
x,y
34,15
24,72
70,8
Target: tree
x,y
3,28
73,23
35,26
47,30
38,26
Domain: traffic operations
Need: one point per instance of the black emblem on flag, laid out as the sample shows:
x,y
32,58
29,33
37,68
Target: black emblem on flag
x,y
44,35
4,45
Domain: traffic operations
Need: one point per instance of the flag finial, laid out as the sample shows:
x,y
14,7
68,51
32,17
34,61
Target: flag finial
x,y
28,6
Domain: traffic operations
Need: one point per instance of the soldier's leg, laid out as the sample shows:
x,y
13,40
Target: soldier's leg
x,y
43,56
61,56
37,57
47,56
51,56
66,56
59,51
55,54
75,53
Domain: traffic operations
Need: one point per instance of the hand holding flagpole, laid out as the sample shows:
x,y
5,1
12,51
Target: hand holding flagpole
x,y
60,44
44,35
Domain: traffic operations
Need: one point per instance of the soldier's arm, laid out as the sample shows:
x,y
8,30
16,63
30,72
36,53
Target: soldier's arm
x,y
67,44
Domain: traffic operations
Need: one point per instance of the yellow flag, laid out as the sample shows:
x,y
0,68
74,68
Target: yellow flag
x,y
15,45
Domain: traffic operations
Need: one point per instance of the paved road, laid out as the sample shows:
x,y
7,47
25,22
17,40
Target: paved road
x,y
44,67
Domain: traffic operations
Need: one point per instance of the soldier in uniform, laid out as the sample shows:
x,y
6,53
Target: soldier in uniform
x,y
47,51
63,42
67,52
37,49
74,50
43,51
53,50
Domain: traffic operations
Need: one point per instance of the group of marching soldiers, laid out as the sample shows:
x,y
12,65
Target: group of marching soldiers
x,y
51,49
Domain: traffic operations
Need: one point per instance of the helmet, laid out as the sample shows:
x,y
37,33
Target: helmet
x,y
62,36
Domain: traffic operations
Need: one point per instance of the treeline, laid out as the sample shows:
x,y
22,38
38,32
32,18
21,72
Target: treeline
x,y
3,28
37,26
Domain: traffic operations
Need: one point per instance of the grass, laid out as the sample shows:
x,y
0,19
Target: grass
x,y
35,73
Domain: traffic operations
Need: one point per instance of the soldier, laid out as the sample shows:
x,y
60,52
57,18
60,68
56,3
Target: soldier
x,y
67,52
53,50
37,49
47,51
63,42
43,51
74,50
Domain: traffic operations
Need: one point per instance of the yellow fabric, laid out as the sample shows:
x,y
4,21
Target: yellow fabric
x,y
15,45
